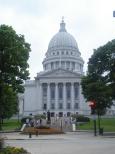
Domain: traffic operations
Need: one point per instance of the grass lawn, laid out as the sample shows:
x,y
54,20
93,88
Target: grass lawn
x,y
108,124
10,124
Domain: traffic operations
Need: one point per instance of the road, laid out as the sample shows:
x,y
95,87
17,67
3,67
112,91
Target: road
x,y
70,143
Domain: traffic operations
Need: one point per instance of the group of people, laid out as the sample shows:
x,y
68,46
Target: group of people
x,y
33,122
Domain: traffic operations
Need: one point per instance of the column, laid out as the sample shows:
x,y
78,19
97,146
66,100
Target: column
x,y
40,104
48,96
80,96
54,65
64,96
76,68
71,66
56,96
64,65
72,95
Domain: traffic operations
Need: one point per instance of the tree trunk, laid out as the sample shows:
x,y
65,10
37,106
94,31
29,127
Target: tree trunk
x,y
0,123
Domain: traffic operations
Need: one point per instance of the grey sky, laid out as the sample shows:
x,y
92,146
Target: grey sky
x,y
89,21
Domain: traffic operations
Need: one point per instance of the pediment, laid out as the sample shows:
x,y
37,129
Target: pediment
x,y
59,73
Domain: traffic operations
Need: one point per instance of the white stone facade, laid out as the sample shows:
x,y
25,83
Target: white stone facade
x,y
57,88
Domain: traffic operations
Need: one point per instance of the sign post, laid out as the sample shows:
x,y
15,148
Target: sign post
x,y
92,105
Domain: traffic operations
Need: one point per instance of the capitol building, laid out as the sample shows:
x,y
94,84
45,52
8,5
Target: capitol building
x,y
57,88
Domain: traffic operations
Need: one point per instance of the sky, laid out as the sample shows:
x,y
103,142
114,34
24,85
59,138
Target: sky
x,y
90,22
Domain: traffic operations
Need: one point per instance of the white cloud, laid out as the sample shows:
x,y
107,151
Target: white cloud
x,y
89,21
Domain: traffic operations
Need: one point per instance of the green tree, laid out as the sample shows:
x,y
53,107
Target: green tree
x,y
99,83
9,102
14,54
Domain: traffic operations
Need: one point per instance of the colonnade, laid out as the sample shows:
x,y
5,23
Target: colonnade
x,y
69,65
60,96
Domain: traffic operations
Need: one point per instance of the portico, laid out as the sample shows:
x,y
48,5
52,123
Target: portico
x,y
60,96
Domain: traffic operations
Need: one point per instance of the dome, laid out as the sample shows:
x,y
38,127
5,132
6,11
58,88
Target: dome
x,y
63,39
63,52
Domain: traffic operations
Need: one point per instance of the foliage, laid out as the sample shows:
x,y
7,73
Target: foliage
x,y
9,102
14,53
80,118
23,120
99,83
1,143
13,150
40,116
43,127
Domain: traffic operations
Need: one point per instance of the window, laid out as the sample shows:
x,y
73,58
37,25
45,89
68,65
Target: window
x,y
44,90
73,65
68,114
76,90
60,114
60,106
68,105
52,106
45,106
60,91
76,106
62,64
68,64
52,65
52,114
52,91
57,64
68,91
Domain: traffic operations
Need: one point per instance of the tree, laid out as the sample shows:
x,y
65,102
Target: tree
x,y
99,83
14,54
9,102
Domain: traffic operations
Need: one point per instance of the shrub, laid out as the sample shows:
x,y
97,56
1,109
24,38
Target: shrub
x,y
1,143
13,150
40,116
23,120
43,127
81,118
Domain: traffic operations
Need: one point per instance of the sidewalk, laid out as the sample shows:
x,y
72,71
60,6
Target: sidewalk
x,y
19,136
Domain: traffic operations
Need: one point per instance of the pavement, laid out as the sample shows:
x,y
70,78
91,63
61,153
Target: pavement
x,y
16,135
69,143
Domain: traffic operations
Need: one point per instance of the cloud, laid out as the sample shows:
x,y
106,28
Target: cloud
x,y
89,21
